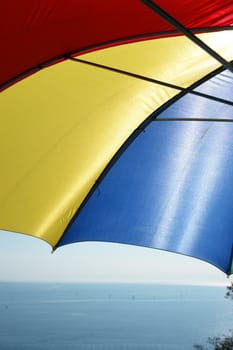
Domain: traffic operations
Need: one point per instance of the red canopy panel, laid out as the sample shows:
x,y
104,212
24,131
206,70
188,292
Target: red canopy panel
x,y
37,32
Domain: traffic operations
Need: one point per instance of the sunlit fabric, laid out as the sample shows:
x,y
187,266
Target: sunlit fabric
x,y
172,187
119,133
71,119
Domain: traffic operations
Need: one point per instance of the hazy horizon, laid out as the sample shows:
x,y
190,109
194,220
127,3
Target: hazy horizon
x,y
27,259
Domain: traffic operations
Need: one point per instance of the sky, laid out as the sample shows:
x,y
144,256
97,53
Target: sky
x,y
28,259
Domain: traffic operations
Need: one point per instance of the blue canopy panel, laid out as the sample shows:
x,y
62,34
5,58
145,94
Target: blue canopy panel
x,y
172,187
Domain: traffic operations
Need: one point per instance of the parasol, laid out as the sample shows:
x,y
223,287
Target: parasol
x,y
116,123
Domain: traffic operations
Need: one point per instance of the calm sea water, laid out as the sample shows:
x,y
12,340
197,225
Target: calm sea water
x,y
110,316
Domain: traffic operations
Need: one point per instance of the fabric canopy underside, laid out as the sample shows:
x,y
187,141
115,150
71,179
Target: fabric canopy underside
x,y
140,155
36,34
177,181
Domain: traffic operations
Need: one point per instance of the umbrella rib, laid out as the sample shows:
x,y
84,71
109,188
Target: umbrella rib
x,y
223,120
167,17
155,81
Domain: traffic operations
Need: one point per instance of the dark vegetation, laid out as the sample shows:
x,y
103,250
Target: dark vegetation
x,y
224,342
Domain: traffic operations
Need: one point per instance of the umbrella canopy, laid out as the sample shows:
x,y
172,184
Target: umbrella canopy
x,y
124,132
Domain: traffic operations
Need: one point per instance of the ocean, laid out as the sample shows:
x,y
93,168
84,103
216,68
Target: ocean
x,y
111,316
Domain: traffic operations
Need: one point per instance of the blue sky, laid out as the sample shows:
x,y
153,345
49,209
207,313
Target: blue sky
x,y
24,258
